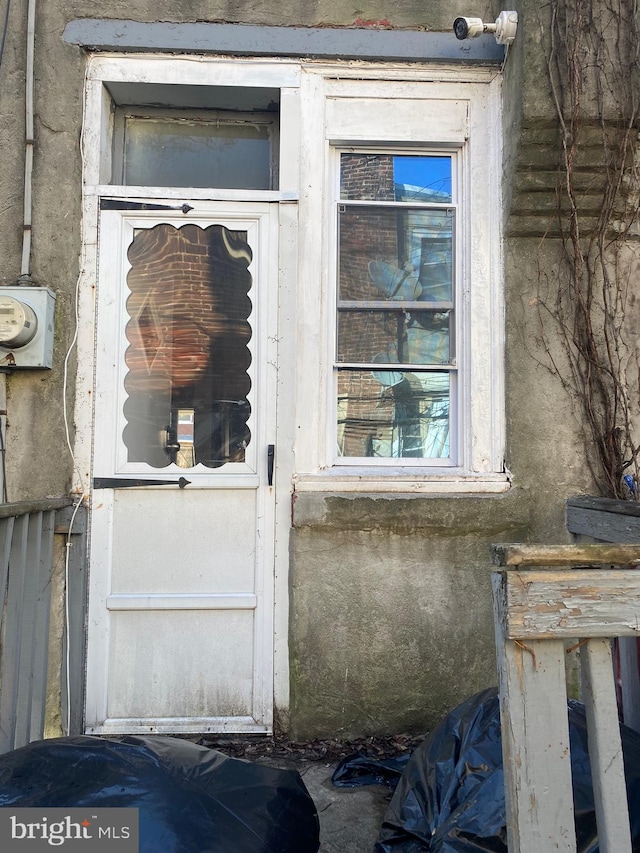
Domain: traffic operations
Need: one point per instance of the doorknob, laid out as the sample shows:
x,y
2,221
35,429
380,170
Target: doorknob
x,y
271,454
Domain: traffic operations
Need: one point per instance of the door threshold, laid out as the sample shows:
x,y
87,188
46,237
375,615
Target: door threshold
x,y
179,726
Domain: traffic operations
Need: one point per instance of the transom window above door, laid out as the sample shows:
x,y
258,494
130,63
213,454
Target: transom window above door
x,y
396,370
225,151
195,136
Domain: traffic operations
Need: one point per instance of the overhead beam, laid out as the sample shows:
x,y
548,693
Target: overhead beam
x,y
304,42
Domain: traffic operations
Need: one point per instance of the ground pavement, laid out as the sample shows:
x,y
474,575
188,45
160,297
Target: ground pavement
x,y
350,818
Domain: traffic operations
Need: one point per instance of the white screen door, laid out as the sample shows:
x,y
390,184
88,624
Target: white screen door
x,y
180,632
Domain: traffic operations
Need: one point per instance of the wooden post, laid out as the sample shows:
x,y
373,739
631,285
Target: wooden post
x,y
605,747
535,744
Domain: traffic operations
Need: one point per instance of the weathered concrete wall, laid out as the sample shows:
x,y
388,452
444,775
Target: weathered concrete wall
x,y
390,599
391,608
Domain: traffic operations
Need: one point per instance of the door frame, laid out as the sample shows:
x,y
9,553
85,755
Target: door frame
x,y
96,149
116,230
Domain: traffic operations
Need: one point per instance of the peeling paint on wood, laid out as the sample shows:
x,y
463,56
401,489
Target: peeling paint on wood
x,y
567,604
566,555
605,747
535,610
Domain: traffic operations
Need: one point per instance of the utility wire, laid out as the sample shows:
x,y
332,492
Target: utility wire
x,y
3,452
3,448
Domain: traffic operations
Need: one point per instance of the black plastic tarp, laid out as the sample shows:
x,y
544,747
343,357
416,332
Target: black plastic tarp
x,y
450,798
357,770
190,799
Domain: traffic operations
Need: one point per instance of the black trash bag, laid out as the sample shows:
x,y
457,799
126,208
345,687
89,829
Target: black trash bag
x,y
451,796
358,770
190,799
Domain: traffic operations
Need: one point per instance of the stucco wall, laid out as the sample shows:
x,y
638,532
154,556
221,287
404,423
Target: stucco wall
x,y
391,608
391,619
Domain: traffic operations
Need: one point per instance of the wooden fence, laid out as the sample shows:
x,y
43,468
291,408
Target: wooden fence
x,y
27,536
537,610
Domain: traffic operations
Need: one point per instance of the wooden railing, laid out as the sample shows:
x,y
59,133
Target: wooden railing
x,y
606,520
28,532
537,610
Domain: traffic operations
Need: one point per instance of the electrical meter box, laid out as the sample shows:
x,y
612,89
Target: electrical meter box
x,y
26,327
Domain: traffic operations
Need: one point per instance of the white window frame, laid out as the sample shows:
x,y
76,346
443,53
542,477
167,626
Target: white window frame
x,y
457,109
461,322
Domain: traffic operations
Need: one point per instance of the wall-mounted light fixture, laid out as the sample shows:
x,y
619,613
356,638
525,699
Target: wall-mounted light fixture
x,y
504,28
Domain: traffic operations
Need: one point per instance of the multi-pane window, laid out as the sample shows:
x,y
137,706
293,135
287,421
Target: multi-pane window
x,y
396,313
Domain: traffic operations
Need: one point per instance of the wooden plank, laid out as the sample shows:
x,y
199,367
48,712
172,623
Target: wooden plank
x,y
6,534
606,526
41,628
12,636
30,567
565,555
74,642
567,604
535,743
19,508
604,505
605,747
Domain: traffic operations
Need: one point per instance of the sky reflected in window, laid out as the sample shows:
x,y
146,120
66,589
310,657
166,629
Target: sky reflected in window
x,y
429,175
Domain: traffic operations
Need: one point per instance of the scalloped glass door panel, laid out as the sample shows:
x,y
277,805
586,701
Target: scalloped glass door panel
x,y
188,355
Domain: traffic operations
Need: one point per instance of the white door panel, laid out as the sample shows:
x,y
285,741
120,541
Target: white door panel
x,y
220,557
181,576
162,642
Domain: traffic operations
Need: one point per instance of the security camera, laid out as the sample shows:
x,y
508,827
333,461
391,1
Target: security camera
x,y
468,28
504,28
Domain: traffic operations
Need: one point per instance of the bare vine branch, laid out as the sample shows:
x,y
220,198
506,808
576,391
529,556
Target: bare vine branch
x,y
593,65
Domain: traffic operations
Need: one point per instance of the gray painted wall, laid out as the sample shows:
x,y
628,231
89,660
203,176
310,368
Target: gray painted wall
x,y
391,619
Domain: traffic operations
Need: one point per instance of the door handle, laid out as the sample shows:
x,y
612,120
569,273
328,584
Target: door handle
x,y
171,444
271,455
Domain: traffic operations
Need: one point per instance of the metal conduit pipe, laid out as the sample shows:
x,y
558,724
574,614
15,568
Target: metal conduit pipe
x,y
25,271
25,267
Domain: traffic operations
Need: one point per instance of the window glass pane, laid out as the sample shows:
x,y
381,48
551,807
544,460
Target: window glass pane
x,y
167,152
393,253
394,337
393,414
390,177
425,179
188,357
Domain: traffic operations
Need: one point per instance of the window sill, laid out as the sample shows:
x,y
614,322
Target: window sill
x,y
401,481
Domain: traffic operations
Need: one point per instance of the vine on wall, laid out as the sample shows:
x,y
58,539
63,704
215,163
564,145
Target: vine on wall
x,y
592,51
